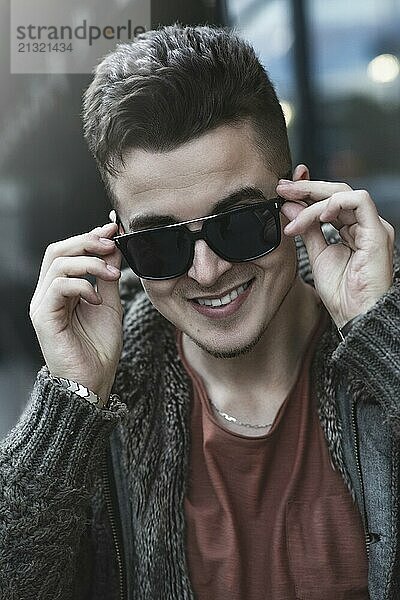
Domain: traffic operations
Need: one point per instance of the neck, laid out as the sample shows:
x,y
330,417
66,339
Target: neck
x,y
270,369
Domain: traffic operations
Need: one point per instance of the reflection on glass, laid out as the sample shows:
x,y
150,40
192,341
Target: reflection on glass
x,y
384,68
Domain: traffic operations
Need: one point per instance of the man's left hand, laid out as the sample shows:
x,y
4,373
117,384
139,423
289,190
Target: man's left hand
x,y
350,276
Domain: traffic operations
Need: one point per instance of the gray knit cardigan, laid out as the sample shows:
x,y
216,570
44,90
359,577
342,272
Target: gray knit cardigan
x,y
55,537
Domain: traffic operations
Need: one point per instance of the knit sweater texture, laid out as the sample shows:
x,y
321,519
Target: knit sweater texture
x,y
56,542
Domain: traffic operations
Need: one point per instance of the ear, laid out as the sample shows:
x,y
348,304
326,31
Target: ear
x,y
301,173
114,219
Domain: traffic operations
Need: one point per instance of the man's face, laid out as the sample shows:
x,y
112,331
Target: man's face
x,y
186,183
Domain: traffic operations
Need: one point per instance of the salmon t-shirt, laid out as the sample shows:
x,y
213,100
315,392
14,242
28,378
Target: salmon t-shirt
x,y
268,518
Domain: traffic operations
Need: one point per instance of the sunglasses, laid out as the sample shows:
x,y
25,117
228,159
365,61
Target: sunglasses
x,y
237,235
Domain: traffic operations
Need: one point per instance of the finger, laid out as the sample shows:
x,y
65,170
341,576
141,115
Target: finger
x,y
292,209
59,292
343,208
347,235
313,238
389,228
309,191
109,288
315,214
92,242
76,266
347,217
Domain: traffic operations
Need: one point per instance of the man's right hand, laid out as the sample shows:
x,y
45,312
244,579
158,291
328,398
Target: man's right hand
x,y
80,329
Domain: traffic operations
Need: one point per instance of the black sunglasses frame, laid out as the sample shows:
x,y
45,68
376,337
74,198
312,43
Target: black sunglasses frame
x,y
273,205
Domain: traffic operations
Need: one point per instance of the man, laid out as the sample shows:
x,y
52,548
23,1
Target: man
x,y
257,455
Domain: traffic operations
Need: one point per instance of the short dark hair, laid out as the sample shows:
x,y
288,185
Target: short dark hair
x,y
168,86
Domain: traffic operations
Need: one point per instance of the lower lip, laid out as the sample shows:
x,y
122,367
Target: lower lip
x,y
224,310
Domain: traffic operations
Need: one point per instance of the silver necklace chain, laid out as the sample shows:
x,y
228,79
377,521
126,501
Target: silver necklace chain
x,y
232,419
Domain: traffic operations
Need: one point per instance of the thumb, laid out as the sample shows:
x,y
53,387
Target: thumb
x,y
313,237
314,242
109,290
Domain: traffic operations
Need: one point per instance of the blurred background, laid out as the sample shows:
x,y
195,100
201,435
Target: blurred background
x,y
336,67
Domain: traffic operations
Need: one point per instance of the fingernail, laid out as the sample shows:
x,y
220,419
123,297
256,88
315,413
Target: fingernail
x,y
106,241
285,181
113,270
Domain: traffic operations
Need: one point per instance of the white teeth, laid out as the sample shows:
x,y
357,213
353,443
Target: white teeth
x,y
225,299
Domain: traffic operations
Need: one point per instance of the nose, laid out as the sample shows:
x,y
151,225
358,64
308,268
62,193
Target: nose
x,y
207,267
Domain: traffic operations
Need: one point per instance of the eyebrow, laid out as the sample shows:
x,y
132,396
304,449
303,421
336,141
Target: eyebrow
x,y
139,222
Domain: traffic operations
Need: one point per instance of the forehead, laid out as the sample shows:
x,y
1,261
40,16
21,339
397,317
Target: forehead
x,y
186,182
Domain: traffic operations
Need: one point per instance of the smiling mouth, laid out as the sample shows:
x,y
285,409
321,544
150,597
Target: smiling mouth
x,y
224,300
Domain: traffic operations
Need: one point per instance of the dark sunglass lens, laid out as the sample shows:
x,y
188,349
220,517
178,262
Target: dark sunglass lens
x,y
245,234
161,253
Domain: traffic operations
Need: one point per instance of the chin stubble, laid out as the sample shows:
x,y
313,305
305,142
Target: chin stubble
x,y
231,352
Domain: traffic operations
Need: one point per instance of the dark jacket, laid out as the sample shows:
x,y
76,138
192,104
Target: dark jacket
x,y
83,518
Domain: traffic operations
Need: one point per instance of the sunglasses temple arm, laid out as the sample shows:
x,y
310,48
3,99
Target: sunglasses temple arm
x,y
280,202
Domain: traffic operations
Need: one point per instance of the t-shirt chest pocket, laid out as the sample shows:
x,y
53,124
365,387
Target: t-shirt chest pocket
x,y
326,549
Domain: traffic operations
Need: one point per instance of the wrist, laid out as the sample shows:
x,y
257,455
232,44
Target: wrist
x,y
97,399
345,329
